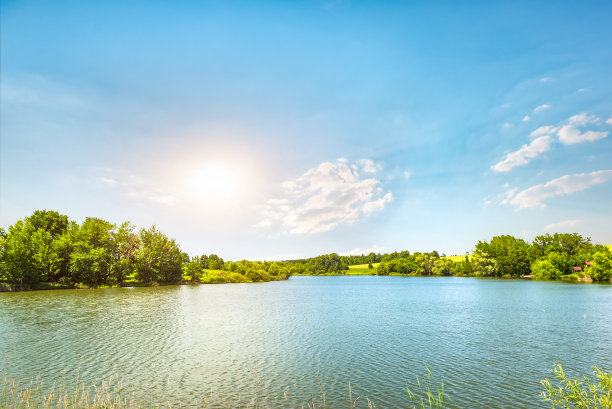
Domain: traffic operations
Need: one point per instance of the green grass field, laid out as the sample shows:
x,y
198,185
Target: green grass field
x,y
362,269
458,258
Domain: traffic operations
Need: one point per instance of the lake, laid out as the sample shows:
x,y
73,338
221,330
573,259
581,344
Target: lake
x,y
490,340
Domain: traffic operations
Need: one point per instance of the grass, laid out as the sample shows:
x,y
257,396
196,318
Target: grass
x,y
458,258
426,393
362,269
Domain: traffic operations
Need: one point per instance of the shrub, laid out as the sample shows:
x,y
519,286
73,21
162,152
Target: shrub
x,y
545,270
579,392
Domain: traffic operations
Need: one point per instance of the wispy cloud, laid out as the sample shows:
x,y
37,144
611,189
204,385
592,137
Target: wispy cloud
x,y
109,181
546,79
526,118
359,251
524,155
541,107
536,196
569,134
609,121
565,223
139,188
327,196
544,130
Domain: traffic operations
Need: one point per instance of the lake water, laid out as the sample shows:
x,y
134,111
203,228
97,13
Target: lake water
x,y
491,341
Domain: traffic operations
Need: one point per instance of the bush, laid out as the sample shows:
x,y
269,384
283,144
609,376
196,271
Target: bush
x,y
545,270
579,392
238,278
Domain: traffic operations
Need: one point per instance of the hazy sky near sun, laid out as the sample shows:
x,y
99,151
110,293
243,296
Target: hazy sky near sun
x,y
290,129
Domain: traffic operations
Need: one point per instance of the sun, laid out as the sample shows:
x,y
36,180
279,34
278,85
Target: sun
x,y
215,181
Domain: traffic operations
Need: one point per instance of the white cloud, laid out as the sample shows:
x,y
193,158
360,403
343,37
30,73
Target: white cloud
x,y
407,174
544,130
541,107
526,118
139,188
524,155
583,119
563,186
546,79
327,196
569,134
507,125
110,181
368,166
359,251
609,121
565,223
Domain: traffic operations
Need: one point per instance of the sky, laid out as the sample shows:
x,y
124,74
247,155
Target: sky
x,y
279,130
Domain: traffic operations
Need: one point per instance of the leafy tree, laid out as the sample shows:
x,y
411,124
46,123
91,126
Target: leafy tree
x,y
17,265
601,267
91,260
159,258
484,265
545,270
194,271
442,267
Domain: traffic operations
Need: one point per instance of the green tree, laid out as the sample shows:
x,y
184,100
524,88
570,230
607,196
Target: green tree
x,y
17,265
159,258
601,267
442,267
91,260
545,270
193,271
484,265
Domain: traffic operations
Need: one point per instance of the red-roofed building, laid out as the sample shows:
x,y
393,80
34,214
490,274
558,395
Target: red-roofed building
x,y
577,268
588,263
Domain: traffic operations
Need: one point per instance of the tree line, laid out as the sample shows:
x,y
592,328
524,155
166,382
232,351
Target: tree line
x,y
558,256
47,250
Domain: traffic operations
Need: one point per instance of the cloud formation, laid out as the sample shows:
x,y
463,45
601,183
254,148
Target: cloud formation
x,y
535,196
569,134
139,188
524,155
359,251
541,107
565,223
327,196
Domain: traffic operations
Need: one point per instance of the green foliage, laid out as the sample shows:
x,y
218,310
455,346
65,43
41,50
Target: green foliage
x,y
601,266
443,267
545,270
484,265
193,271
582,393
511,257
159,259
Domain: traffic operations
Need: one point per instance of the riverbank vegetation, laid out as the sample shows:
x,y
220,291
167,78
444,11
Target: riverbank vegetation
x,y
48,250
585,392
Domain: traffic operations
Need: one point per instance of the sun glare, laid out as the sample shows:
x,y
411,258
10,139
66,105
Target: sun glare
x,y
215,181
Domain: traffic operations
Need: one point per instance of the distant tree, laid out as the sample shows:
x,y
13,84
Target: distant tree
x,y
193,271
545,270
442,267
601,267
91,259
159,258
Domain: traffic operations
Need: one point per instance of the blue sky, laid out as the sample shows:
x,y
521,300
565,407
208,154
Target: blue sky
x,y
290,129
